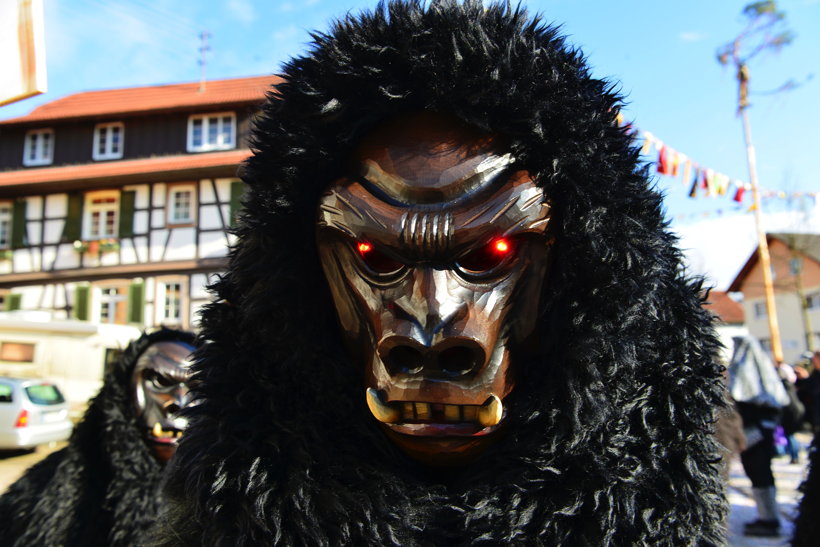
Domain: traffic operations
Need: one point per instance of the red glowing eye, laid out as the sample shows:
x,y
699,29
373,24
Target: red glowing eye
x,y
487,257
501,245
377,261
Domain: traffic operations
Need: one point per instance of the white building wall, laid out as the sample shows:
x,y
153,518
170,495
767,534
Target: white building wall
x,y
790,323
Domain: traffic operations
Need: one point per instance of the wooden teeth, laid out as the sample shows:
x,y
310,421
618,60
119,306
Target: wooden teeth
x,y
159,433
383,412
488,414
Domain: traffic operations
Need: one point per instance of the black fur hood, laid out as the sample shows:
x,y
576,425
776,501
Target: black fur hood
x,y
610,439
101,489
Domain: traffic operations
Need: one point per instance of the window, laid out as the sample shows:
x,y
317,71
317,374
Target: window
x,y
38,148
17,352
113,305
760,310
181,204
171,301
5,225
172,307
211,132
44,394
108,141
813,301
101,215
6,393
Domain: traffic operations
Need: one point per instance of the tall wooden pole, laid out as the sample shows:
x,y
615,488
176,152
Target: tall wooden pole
x,y
762,244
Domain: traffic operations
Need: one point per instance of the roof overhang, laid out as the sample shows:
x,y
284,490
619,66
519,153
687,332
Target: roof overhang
x,y
125,271
122,172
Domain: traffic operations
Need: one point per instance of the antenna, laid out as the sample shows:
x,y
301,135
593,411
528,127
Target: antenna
x,y
203,49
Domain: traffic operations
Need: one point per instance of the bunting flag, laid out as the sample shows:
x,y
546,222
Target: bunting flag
x,y
663,162
703,181
739,194
693,191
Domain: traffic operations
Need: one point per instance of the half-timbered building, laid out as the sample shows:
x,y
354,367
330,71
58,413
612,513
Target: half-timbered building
x,y
115,205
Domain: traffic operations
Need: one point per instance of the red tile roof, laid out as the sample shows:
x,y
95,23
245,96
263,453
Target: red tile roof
x,y
729,311
113,169
807,244
133,100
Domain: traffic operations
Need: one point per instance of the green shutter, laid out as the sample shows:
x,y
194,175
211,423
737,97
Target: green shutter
x,y
18,225
73,229
127,200
13,301
136,302
82,303
237,191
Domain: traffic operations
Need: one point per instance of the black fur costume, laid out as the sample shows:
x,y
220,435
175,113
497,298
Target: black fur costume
x,y
101,489
609,442
807,524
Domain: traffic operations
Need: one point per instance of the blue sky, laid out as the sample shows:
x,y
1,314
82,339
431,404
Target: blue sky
x,y
663,53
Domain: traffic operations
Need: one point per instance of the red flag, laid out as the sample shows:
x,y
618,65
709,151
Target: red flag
x,y
739,194
663,165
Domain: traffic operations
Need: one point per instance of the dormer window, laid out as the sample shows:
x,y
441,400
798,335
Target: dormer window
x,y
108,141
208,132
38,148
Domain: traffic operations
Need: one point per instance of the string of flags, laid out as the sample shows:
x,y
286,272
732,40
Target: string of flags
x,y
703,181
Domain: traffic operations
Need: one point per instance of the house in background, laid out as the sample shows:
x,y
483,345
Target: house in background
x,y
730,320
114,210
796,276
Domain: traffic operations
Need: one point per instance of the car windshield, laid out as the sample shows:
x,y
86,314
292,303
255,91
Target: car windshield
x,y
5,393
44,394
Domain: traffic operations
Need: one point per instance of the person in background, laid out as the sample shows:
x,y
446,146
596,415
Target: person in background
x,y
793,414
756,387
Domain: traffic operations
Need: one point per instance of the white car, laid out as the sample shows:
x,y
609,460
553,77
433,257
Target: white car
x,y
32,412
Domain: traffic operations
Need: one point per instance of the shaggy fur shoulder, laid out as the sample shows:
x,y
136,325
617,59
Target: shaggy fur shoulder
x,y
807,524
610,430
101,489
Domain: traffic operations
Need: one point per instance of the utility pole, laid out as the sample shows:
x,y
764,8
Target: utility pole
x,y
203,49
762,243
762,33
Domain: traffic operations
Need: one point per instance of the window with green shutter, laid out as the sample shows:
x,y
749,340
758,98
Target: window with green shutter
x,y
19,237
237,191
82,302
127,200
73,229
136,302
13,301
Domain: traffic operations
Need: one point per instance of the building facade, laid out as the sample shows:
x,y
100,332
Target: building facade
x,y
795,266
115,206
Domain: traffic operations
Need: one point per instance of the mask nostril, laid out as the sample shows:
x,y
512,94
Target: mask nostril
x,y
458,360
404,359
172,408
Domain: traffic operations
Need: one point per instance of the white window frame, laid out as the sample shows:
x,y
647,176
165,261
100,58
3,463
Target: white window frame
x,y
109,153
813,301
91,207
35,142
181,305
206,120
6,215
759,309
173,191
115,304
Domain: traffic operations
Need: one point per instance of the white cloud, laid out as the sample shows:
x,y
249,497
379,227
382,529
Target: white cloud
x,y
286,33
691,36
242,11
